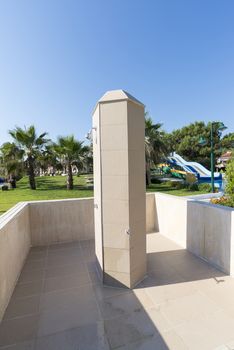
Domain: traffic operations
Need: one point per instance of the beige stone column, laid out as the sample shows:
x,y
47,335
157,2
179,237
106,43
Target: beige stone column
x,y
119,188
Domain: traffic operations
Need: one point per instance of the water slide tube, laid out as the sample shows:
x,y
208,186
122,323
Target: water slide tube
x,y
199,170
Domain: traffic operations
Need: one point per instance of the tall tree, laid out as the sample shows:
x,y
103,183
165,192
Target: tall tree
x,y
31,145
71,152
227,142
11,159
185,141
155,147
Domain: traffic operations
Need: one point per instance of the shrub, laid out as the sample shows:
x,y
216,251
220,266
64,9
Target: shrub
x,y
205,187
229,189
181,185
167,183
176,184
156,181
223,201
193,187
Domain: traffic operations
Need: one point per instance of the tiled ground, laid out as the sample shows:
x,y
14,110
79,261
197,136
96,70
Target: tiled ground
x,y
60,304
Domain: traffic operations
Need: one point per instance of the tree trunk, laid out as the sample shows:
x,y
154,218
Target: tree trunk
x,y
31,174
148,176
69,177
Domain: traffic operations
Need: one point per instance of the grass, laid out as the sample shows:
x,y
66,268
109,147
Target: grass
x,y
49,187
166,188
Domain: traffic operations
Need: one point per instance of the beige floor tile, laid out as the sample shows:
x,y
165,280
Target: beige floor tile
x,y
143,298
31,276
162,277
174,341
158,319
41,248
89,337
129,328
147,343
95,278
34,265
183,304
223,295
207,333
70,269
63,260
158,243
18,330
186,308
28,345
27,289
230,344
34,255
22,307
119,305
57,253
66,317
102,292
66,282
64,246
205,285
163,293
67,298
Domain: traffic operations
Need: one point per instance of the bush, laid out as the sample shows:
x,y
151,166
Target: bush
x,y
223,201
176,184
181,185
193,187
230,180
205,187
156,181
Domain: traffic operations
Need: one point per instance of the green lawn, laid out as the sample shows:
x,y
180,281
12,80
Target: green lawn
x,y
55,188
48,187
166,188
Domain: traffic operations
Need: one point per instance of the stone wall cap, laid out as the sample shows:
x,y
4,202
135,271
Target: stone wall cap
x,y
117,96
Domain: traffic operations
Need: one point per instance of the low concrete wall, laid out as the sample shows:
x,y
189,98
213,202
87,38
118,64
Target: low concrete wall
x,y
15,243
210,231
61,220
151,218
171,214
205,229
71,219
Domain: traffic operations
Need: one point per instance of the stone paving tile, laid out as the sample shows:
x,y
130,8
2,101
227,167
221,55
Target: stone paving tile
x,y
19,307
208,332
129,328
89,337
18,330
28,345
60,303
119,305
66,282
187,308
28,289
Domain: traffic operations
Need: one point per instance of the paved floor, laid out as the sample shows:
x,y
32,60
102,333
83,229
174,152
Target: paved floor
x,y
60,304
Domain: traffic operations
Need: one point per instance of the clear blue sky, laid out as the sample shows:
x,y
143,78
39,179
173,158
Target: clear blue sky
x,y
57,58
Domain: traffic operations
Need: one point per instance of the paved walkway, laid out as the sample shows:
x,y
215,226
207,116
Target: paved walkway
x,y
60,304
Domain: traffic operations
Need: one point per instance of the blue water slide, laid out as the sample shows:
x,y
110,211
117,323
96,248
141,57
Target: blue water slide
x,y
193,167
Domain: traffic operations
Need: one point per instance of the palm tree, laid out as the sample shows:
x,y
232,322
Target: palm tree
x,y
31,145
48,160
155,146
11,159
71,152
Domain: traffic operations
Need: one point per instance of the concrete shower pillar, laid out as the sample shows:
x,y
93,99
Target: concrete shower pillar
x,y
119,189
